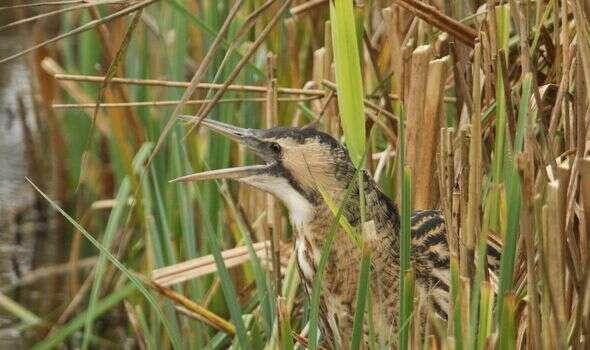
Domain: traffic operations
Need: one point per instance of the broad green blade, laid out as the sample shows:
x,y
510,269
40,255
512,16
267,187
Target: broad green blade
x,y
348,77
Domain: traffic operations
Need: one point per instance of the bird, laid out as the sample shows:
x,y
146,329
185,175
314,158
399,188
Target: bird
x,y
300,166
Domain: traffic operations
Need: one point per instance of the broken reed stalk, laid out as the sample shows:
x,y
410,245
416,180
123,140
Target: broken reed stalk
x,y
197,267
174,102
414,108
307,6
553,255
182,84
196,310
425,188
318,74
333,126
433,16
471,229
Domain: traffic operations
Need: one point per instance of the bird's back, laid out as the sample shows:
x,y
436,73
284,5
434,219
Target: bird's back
x,y
430,261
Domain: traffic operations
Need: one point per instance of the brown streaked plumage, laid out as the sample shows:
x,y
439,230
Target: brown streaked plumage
x,y
297,163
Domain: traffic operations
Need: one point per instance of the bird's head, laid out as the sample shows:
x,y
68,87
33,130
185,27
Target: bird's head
x,y
297,161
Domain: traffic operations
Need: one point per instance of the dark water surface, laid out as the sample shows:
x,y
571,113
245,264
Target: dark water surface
x,y
16,247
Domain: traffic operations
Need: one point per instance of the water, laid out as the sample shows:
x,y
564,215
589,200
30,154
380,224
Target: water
x,y
16,247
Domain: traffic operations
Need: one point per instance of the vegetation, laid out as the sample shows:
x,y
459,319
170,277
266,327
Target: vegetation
x,y
479,108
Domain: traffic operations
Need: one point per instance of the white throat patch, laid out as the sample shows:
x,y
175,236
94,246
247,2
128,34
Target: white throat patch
x,y
300,210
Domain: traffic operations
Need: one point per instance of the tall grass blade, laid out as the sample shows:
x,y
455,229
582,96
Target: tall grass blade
x,y
317,281
107,303
348,77
405,251
362,295
514,199
112,227
174,337
14,308
227,286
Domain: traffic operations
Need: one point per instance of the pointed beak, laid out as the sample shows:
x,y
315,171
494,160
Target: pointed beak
x,y
240,135
233,132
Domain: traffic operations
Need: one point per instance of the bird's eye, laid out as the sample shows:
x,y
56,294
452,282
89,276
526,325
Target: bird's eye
x,y
275,147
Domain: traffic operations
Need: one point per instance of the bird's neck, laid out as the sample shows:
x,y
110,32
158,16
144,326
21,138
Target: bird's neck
x,y
316,216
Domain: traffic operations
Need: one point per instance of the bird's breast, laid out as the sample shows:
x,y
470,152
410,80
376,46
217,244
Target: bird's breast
x,y
339,279
305,260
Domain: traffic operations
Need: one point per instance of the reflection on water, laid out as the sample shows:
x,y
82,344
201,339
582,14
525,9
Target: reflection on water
x,y
16,249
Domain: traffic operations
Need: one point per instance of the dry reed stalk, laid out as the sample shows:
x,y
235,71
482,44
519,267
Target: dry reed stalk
x,y
385,129
506,84
197,267
472,221
454,228
331,109
414,107
460,57
273,209
293,50
125,119
556,113
194,83
238,68
462,169
318,75
79,294
131,313
44,272
53,3
585,202
554,238
392,18
527,230
368,103
425,185
465,300
77,93
433,16
181,84
446,172
306,6
172,103
81,5
304,341
196,310
87,26
583,42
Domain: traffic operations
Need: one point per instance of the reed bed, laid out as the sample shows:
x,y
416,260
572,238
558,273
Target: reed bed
x,y
478,108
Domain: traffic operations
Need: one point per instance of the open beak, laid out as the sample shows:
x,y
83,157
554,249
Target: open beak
x,y
241,135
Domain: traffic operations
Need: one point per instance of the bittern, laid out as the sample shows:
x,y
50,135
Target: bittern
x,y
298,162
